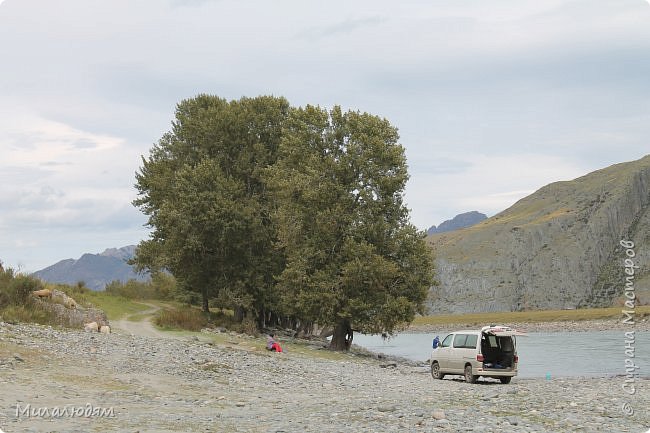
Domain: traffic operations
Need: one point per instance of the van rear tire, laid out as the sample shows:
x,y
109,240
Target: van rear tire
x,y
435,371
469,377
505,379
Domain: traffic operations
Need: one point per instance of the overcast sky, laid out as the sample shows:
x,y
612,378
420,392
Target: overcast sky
x,y
493,99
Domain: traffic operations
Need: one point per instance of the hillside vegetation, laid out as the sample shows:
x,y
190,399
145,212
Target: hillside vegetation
x,y
17,304
557,248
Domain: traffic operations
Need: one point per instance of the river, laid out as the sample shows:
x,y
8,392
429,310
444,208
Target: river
x,y
590,353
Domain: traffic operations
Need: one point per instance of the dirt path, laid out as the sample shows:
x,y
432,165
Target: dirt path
x,y
142,327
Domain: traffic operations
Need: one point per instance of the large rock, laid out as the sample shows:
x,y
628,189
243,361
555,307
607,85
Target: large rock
x,y
67,315
557,248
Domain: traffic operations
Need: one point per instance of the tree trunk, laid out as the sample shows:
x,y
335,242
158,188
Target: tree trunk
x,y
205,304
342,337
261,319
240,313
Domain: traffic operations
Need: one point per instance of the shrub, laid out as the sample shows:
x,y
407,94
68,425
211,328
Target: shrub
x,y
15,290
192,319
31,313
162,286
247,326
189,319
79,292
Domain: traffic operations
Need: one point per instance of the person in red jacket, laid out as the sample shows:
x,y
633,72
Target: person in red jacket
x,y
271,344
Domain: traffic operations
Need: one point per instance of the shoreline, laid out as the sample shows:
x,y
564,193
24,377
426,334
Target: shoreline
x,y
642,325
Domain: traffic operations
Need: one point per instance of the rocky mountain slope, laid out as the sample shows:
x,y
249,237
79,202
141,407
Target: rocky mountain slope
x,y
557,248
460,221
95,270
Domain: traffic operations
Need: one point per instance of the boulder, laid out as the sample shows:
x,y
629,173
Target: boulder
x,y
69,313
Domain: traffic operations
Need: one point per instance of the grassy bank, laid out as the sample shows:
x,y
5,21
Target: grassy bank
x,y
115,307
529,316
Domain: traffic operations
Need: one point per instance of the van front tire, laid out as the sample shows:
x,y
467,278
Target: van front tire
x,y
469,377
435,371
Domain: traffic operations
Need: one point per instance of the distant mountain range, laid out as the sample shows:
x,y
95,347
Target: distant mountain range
x,y
460,221
95,270
557,248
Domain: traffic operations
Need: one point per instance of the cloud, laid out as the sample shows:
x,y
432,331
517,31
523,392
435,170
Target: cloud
x,y
345,27
190,3
492,99
487,183
58,178
32,140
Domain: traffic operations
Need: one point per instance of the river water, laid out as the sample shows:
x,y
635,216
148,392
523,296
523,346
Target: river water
x,y
590,353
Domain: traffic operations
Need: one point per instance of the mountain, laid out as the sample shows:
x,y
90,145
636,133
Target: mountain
x,y
460,221
96,270
556,248
125,253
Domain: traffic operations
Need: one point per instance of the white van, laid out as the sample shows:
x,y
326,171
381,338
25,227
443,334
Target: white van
x,y
489,352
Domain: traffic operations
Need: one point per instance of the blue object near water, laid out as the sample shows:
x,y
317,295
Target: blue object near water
x,y
573,358
548,376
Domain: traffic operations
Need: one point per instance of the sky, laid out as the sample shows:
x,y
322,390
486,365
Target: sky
x,y
493,99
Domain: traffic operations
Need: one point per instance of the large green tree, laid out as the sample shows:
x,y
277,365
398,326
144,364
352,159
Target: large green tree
x,y
353,260
203,191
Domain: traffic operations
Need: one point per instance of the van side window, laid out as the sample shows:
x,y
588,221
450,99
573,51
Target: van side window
x,y
470,343
460,339
447,341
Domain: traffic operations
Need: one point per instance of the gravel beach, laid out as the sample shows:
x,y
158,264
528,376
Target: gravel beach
x,y
193,384
642,324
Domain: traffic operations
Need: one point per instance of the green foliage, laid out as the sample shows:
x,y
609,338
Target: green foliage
x,y
353,259
79,292
162,287
295,214
16,288
30,313
16,303
203,192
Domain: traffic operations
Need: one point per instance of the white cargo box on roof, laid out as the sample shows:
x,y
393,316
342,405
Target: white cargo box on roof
x,y
501,330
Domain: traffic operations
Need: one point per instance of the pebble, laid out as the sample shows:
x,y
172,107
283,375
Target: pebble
x,y
169,384
513,420
387,408
438,414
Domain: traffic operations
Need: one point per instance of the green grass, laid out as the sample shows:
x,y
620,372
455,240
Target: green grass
x,y
529,316
115,307
29,313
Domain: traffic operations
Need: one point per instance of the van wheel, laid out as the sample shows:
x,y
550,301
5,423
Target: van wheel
x,y
469,377
435,371
505,380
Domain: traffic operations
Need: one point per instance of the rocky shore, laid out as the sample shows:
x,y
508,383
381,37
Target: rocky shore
x,y
642,324
195,383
